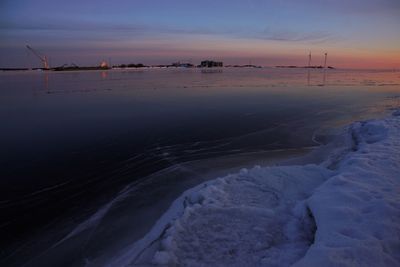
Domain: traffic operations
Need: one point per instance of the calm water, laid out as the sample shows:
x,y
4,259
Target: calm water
x,y
71,141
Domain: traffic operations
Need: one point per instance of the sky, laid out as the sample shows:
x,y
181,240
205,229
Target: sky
x,y
354,33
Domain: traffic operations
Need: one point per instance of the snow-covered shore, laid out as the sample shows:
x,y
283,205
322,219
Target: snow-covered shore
x,y
342,212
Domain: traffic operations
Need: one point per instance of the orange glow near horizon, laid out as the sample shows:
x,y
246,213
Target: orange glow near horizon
x,y
355,34
260,52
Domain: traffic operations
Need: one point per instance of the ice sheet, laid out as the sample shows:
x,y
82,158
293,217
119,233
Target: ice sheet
x,y
342,212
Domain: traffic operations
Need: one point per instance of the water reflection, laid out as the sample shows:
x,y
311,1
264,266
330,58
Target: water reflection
x,y
211,70
44,84
46,81
104,75
318,77
125,129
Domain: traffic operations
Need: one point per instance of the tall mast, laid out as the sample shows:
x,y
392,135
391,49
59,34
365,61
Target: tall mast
x,y
326,56
42,58
309,59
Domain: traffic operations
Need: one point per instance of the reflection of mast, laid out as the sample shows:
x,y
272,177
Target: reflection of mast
x,y
309,59
42,58
326,56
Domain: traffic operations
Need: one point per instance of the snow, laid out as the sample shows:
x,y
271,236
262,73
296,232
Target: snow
x,y
357,212
344,211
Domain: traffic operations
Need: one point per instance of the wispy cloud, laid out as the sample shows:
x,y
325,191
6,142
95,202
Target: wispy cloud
x,y
292,36
139,30
71,26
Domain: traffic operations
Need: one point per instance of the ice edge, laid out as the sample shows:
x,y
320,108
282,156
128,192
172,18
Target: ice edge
x,y
344,203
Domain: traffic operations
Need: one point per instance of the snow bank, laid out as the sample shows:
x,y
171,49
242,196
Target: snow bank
x,y
357,212
241,219
344,212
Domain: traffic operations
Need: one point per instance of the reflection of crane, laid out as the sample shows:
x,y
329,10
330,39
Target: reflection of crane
x,y
42,58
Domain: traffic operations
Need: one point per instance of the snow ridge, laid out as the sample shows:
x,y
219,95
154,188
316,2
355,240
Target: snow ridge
x,y
342,212
357,212
242,220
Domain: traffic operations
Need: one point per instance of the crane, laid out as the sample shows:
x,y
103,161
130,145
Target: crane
x,y
42,58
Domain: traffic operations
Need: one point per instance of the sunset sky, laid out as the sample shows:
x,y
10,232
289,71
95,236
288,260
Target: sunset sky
x,y
355,33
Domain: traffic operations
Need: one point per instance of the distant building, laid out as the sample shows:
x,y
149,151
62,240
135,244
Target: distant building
x,y
210,64
182,65
186,65
104,65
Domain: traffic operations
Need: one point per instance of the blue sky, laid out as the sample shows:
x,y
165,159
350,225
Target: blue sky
x,y
355,33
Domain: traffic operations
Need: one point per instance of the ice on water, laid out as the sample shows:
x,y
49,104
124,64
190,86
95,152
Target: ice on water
x,y
341,214
240,219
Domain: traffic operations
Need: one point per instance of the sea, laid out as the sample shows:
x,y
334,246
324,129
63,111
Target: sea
x,y
89,160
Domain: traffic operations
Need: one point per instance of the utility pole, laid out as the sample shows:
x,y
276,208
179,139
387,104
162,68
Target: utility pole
x,y
309,59
326,56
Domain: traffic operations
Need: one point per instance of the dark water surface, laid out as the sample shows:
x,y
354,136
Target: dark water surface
x,y
74,142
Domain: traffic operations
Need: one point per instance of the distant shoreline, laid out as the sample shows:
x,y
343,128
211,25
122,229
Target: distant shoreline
x,y
305,67
3,70
155,67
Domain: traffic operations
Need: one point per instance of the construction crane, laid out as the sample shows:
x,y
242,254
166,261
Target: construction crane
x,y
42,58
